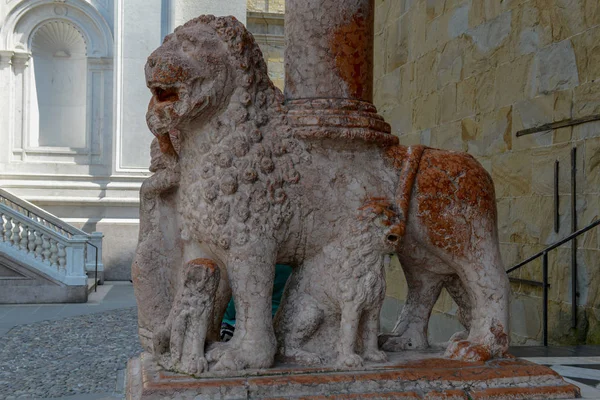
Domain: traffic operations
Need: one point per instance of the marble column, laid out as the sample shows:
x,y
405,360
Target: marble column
x,y
6,93
20,63
329,70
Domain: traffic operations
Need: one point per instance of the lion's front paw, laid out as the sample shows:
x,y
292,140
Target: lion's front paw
x,y
349,361
247,354
216,350
301,357
465,350
375,356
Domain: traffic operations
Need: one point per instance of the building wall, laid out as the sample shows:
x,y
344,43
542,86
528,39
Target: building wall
x,y
95,187
269,6
467,75
266,22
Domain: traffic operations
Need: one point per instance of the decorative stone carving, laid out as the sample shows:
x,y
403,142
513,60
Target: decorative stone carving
x,y
256,186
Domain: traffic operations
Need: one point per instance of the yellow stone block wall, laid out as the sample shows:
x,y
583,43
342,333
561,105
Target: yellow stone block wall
x,y
265,21
270,6
467,75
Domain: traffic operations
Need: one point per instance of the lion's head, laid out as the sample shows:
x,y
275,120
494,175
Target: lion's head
x,y
195,71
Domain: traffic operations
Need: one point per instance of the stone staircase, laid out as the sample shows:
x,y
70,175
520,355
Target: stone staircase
x,y
42,258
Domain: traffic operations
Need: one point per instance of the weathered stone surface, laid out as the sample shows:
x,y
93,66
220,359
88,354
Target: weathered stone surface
x,y
556,68
425,111
587,52
490,35
413,378
512,81
540,66
586,100
512,174
338,60
318,183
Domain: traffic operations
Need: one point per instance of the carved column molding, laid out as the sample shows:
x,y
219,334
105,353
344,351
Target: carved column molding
x,y
329,70
6,58
20,60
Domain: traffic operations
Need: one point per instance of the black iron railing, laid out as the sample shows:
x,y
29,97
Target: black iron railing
x,y
544,284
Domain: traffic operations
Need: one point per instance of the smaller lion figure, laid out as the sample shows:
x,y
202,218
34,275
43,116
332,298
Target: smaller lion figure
x,y
159,248
318,321
179,344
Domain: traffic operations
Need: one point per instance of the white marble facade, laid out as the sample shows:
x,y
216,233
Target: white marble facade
x,y
73,135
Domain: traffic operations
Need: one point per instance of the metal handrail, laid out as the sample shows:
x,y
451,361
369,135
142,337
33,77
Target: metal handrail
x,y
544,283
96,270
555,245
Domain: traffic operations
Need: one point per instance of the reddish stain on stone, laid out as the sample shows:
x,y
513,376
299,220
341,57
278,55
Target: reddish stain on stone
x,y
453,192
518,393
465,350
379,206
353,56
204,262
446,395
499,333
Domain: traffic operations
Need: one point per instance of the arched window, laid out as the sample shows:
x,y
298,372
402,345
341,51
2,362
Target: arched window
x,y
59,93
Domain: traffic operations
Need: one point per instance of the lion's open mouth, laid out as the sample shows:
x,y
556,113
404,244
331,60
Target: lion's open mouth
x,y
170,94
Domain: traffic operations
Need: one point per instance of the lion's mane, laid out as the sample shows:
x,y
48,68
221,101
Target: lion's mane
x,y
243,174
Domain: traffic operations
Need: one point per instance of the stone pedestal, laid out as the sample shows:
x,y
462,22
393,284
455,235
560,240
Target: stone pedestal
x,y
408,375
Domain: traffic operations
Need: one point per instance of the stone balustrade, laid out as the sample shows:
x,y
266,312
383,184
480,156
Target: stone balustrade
x,y
61,257
42,217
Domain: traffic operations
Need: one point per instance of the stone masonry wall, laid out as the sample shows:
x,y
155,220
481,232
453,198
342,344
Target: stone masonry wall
x,y
467,75
270,6
265,21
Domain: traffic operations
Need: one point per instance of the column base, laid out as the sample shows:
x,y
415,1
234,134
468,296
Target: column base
x,y
408,375
339,119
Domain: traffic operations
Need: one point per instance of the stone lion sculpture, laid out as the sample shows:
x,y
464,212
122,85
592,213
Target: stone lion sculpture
x,y
252,194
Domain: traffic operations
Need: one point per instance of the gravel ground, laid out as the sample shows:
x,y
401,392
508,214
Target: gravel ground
x,y
67,357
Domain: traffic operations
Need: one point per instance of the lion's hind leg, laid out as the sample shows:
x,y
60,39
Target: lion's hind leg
x,y
424,287
298,322
489,290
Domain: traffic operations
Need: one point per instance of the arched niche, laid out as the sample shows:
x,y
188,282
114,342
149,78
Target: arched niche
x,y
61,82
58,105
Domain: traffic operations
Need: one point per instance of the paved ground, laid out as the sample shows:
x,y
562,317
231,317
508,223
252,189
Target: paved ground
x,y
80,351
71,351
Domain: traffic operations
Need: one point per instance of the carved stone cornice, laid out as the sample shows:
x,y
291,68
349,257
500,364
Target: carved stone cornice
x,y
6,57
21,59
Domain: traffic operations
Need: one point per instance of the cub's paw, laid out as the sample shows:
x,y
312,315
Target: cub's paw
x,y
377,356
349,361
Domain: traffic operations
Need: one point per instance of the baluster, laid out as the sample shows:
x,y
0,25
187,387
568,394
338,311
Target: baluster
x,y
54,253
1,227
31,241
24,237
38,246
62,258
46,249
15,233
8,229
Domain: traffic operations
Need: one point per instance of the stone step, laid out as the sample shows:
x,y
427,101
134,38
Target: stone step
x,y
91,285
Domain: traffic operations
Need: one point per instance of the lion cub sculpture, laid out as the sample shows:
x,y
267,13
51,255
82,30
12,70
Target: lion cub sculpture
x,y
333,309
252,193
